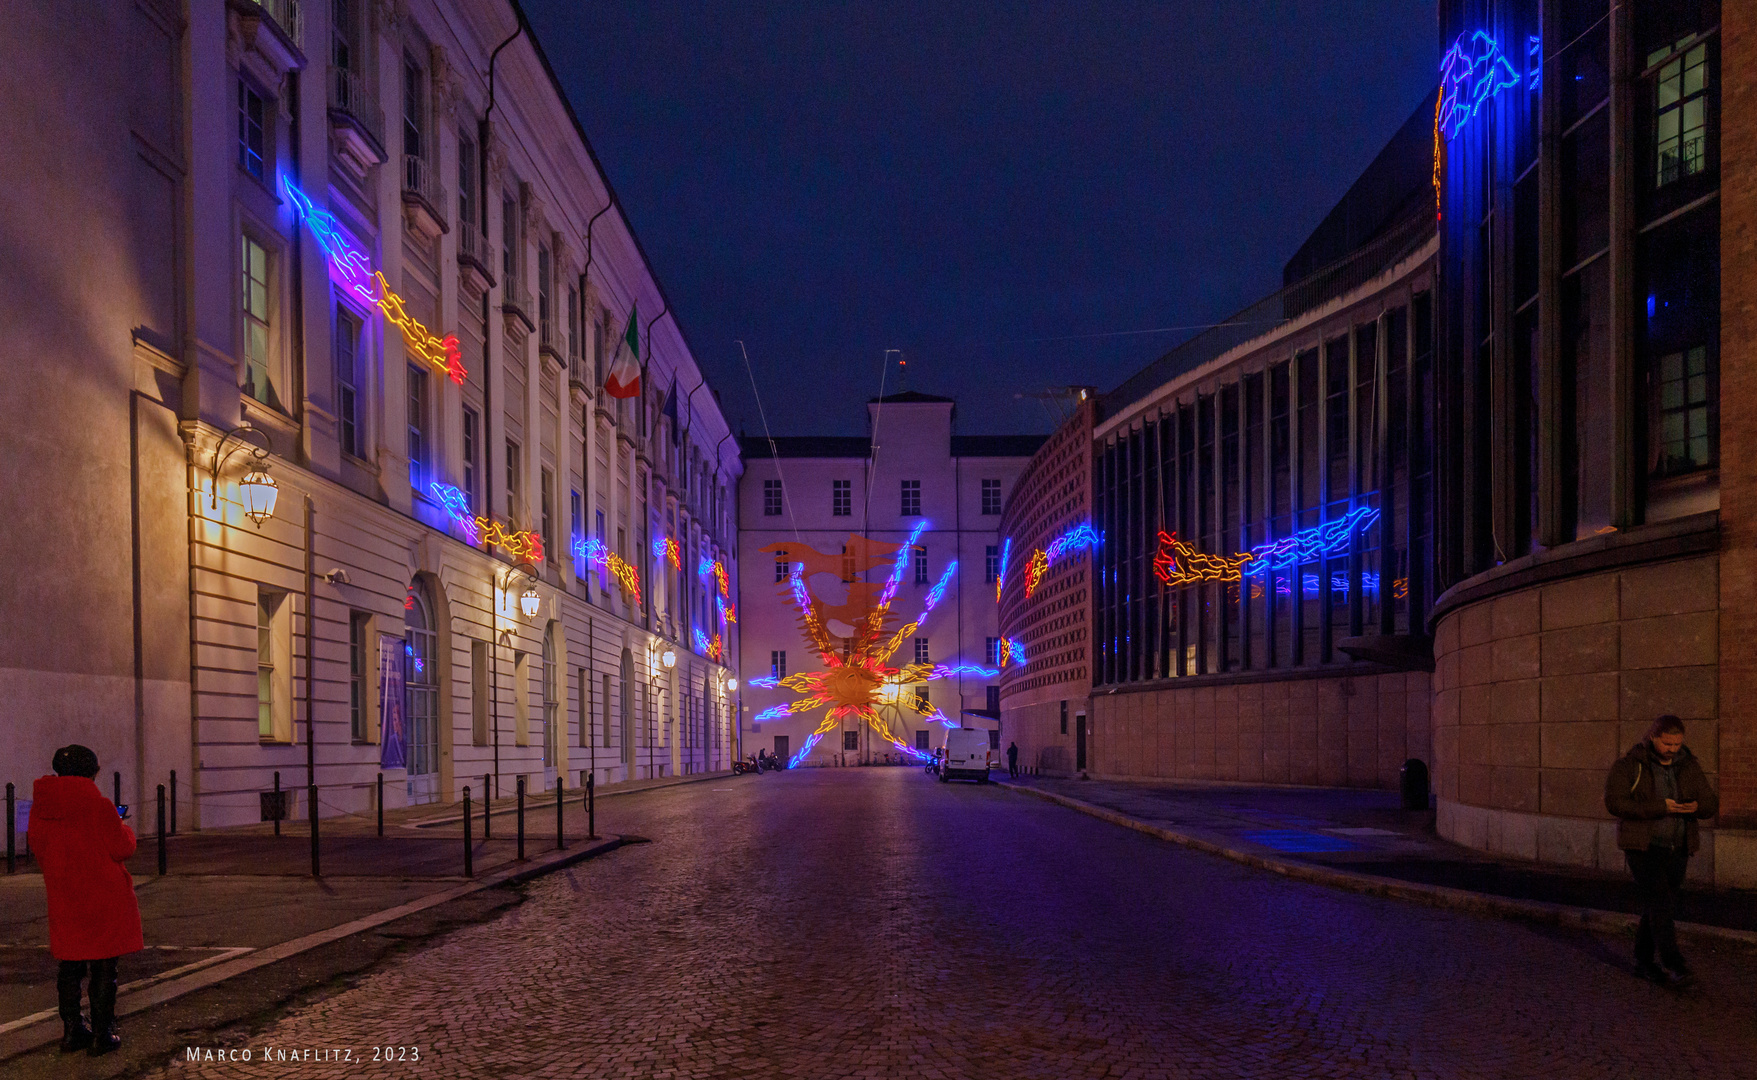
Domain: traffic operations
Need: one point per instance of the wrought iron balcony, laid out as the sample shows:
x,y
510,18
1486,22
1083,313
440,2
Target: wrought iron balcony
x,y
516,301
423,196
357,118
475,255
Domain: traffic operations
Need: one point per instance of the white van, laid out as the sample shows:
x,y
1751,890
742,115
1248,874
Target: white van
x,y
967,756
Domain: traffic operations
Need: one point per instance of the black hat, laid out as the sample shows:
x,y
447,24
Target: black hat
x,y
75,760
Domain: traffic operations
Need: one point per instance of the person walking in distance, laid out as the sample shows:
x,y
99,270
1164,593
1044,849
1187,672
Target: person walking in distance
x,y
1658,792
1013,760
81,844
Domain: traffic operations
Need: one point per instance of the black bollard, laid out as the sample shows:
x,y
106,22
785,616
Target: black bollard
x,y
173,802
469,867
521,825
161,830
560,805
591,808
311,800
116,788
278,814
381,804
487,798
11,831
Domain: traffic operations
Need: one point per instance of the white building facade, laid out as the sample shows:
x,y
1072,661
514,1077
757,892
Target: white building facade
x,y
910,471
296,239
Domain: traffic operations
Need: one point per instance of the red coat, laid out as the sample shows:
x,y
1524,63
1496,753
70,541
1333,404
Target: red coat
x,y
81,843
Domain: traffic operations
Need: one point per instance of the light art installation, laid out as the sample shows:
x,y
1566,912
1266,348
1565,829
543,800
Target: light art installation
x,y
1079,538
712,648
1177,563
521,545
857,676
1012,651
1472,72
599,557
668,550
1000,576
352,268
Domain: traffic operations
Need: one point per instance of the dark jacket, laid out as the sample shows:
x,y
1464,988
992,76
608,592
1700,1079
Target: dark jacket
x,y
1630,794
81,843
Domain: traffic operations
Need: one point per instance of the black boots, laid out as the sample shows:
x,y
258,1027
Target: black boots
x,y
103,995
74,1034
100,1038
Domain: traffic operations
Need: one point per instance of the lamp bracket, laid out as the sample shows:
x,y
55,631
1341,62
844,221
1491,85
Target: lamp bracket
x,y
222,455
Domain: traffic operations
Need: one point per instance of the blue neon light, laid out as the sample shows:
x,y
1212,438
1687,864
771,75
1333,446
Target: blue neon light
x,y
939,591
764,682
774,712
1472,72
1533,61
1079,537
943,671
1320,541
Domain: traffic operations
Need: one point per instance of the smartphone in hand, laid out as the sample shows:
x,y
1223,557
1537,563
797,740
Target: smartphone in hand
x,y
122,811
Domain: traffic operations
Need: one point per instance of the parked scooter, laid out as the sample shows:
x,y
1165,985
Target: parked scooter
x,y
741,766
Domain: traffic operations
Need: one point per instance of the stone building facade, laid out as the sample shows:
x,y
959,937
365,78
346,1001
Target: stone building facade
x,y
354,247
1597,263
909,470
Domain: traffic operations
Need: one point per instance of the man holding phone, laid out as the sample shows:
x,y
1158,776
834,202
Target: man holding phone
x,y
1659,791
82,845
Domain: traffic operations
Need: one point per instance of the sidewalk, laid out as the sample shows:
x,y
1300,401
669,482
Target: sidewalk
x,y
235,899
1365,840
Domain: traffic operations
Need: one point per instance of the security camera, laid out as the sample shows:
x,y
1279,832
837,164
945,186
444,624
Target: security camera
x,y
335,575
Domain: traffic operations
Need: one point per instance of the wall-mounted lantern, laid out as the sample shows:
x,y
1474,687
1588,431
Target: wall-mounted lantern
x,y
257,490
669,658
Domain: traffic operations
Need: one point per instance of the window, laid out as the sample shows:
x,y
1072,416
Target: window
x,y
921,651
509,246
274,666
254,300
479,693
1680,114
771,498
414,110
911,498
994,699
573,330
991,496
575,518
841,498
1680,410
513,470
472,439
251,141
921,566
545,320
850,741
1064,718
348,380
359,674
344,23
418,455
921,701
782,569
547,531
467,211
991,650
778,663
991,564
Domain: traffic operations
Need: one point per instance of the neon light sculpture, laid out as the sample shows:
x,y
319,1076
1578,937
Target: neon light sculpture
x,y
1078,538
1177,563
1012,651
521,545
712,648
1000,575
351,267
1472,72
857,675
595,555
721,578
668,550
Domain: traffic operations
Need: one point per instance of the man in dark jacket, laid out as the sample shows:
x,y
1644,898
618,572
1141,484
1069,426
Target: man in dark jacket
x,y
1658,792
1013,760
81,844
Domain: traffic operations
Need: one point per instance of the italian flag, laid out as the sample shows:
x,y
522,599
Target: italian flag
x,y
624,377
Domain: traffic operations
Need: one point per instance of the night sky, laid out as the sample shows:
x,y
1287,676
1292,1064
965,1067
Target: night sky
x,y
830,180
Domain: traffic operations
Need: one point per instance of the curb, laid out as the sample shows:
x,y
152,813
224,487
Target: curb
x,y
1538,911
156,991
572,793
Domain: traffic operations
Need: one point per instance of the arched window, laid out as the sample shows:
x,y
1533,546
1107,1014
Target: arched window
x,y
421,694
551,703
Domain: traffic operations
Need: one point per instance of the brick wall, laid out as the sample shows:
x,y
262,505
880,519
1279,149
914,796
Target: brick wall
x,y
1340,731
1537,692
1738,421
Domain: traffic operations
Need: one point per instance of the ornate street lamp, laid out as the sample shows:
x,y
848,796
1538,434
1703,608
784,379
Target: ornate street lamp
x,y
258,490
731,684
669,658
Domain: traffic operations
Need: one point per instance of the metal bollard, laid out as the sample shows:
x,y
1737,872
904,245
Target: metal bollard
x,y
521,826
116,788
560,805
311,799
173,802
277,802
11,831
469,868
591,808
161,830
487,798
381,804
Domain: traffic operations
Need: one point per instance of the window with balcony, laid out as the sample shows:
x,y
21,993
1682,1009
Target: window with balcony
x,y
991,496
252,133
911,498
467,206
545,306
347,403
1680,111
509,245
414,110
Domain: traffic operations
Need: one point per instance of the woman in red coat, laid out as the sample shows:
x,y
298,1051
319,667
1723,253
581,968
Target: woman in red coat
x,y
80,843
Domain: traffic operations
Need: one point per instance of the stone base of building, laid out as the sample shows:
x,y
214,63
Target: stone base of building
x,y
1727,858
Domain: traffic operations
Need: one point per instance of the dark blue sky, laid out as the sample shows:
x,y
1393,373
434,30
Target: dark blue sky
x,y
829,180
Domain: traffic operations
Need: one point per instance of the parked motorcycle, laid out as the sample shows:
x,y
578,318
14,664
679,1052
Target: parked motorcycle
x,y
741,767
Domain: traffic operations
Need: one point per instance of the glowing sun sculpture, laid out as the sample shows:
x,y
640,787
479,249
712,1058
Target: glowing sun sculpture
x,y
857,677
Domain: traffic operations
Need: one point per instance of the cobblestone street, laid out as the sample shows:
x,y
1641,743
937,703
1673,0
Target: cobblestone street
x,y
874,923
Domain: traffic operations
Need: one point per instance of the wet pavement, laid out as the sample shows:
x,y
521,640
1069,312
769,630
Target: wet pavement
x,y
873,923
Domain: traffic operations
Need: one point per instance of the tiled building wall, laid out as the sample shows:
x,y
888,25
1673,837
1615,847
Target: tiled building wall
x,y
1344,731
1538,691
